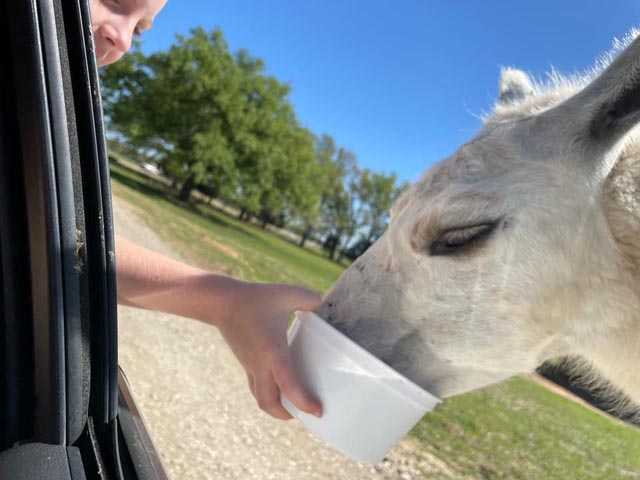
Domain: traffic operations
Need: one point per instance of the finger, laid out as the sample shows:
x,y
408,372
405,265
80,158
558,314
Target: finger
x,y
268,396
291,387
300,298
251,381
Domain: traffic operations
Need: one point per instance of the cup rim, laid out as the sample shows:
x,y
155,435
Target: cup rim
x,y
365,360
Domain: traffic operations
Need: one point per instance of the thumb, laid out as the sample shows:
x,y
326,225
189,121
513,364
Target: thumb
x,y
300,298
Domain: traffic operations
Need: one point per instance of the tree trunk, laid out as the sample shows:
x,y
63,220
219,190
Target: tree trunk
x,y
305,236
244,215
185,191
346,244
335,242
264,218
332,252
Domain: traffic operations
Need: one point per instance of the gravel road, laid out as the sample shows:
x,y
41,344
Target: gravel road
x,y
202,418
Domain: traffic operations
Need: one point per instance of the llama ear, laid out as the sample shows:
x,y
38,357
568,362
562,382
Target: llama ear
x,y
616,98
601,116
513,85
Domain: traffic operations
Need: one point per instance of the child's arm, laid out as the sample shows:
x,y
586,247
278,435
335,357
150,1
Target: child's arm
x,y
252,317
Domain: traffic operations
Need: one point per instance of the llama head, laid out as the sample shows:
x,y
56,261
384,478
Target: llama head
x,y
496,259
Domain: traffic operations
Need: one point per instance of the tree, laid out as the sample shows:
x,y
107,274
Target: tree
x,y
294,179
185,103
275,153
335,166
217,120
374,193
377,192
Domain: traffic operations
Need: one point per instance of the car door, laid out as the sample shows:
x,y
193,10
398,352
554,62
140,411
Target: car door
x,y
65,409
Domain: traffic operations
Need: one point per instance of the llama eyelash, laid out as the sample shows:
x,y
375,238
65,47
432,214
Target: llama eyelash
x,y
462,239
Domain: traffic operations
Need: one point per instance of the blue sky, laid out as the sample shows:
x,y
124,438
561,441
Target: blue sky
x,y
400,83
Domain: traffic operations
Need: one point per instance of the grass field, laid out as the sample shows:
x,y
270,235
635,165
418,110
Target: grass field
x,y
212,239
514,430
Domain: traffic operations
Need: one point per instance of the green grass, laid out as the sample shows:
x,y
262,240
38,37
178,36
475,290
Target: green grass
x,y
212,239
515,430
520,430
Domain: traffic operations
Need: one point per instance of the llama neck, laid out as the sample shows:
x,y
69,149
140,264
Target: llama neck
x,y
616,354
617,360
621,205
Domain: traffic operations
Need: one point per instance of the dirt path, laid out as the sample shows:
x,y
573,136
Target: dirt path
x,y
202,418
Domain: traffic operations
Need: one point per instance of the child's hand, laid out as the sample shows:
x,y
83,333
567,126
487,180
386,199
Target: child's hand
x,y
255,328
252,317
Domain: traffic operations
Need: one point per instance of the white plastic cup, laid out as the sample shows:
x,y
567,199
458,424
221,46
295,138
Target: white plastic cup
x,y
367,407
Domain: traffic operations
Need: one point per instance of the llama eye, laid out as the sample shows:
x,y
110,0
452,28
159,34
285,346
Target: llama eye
x,y
460,239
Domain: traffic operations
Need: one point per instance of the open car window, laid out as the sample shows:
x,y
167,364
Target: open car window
x,y
65,411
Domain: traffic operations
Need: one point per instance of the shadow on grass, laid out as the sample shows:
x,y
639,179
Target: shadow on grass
x,y
158,191
155,191
216,215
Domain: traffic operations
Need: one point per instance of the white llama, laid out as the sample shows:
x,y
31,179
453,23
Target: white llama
x,y
521,246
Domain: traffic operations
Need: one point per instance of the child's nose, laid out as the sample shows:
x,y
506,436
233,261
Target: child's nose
x,y
118,37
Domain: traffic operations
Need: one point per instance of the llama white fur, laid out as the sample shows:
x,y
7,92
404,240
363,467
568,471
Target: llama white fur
x,y
521,246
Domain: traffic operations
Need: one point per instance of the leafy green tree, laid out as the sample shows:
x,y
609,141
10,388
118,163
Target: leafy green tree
x,y
354,202
275,153
183,103
377,192
374,195
336,166
217,119
295,194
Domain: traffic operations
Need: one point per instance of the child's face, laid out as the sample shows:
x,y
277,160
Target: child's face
x,y
115,22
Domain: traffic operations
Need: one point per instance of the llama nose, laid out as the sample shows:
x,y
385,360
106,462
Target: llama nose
x,y
327,310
